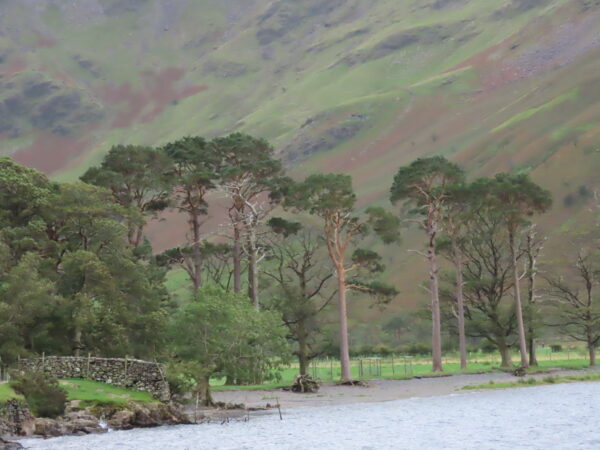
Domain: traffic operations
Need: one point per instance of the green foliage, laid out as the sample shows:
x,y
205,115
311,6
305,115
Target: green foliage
x,y
385,224
243,156
517,197
44,395
68,278
424,180
323,195
137,177
225,335
284,227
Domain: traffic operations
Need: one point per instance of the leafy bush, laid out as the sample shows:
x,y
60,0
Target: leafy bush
x,y
556,348
43,394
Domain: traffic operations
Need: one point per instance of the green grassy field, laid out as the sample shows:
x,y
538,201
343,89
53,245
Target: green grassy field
x,y
400,367
92,392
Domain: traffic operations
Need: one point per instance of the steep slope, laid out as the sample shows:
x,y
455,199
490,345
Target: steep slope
x,y
360,86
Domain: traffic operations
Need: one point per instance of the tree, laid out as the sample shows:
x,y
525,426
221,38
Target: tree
x,y
112,303
298,267
137,177
27,301
487,270
224,335
424,184
456,218
194,171
248,172
575,304
532,247
331,198
517,197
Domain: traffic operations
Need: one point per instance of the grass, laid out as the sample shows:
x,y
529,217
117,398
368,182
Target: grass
x,y
7,393
95,393
524,382
399,368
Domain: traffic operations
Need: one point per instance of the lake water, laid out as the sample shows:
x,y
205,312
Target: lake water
x,y
564,416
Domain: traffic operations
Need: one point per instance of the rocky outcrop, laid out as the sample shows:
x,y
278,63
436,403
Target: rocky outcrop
x,y
100,419
16,419
128,373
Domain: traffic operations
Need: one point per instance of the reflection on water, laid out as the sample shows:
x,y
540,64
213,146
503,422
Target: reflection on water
x,y
558,416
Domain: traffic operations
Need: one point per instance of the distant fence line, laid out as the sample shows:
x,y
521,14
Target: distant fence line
x,y
133,374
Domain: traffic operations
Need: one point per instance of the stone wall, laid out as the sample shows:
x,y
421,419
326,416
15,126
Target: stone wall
x,y
15,419
128,373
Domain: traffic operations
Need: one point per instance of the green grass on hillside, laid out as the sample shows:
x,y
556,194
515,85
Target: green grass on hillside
x,y
93,393
7,393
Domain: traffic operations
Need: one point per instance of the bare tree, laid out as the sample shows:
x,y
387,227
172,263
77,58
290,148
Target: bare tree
x,y
532,247
576,306
299,269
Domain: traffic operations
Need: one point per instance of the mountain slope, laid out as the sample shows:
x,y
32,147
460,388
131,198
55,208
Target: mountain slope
x,y
360,86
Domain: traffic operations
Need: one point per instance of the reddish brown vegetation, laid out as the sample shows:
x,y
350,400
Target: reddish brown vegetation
x,y
50,152
158,90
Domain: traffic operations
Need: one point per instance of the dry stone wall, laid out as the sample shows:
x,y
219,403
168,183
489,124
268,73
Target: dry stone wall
x,y
128,373
15,418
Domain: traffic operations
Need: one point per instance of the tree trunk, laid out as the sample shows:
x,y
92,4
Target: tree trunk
x,y
344,349
302,352
253,268
436,338
591,348
518,305
77,340
237,258
505,355
530,310
205,389
196,256
462,340
532,353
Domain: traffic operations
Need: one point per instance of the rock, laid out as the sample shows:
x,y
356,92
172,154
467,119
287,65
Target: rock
x,y
7,445
122,420
47,427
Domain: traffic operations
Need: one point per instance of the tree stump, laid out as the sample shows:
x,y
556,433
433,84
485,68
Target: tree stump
x,y
305,384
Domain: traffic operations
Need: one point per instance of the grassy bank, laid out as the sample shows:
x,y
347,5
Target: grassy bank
x,y
6,393
94,393
524,382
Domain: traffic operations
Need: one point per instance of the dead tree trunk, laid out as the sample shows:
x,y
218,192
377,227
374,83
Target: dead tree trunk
x,y
518,304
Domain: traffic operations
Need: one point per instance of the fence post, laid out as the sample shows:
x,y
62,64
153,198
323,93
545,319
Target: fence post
x,y
87,366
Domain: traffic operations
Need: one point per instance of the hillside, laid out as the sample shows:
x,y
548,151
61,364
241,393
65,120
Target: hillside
x,y
359,86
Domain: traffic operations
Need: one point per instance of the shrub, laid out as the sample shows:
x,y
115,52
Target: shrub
x,y
43,394
382,350
556,348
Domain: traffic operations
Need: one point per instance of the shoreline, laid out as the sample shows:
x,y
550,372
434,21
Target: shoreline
x,y
378,390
